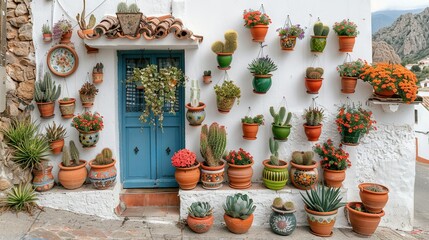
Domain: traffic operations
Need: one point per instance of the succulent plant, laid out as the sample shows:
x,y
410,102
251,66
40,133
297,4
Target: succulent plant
x,y
60,28
274,148
104,158
228,90
133,8
314,73
88,89
323,199
375,188
200,209
122,7
73,158
303,158
278,203
54,132
314,116
258,119
195,93
288,206
320,29
81,19
279,118
21,198
239,206
230,44
212,144
262,66
46,29
46,90
66,159
98,68
207,73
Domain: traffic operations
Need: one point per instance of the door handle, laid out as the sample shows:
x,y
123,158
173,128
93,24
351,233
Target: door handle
x,y
136,150
168,150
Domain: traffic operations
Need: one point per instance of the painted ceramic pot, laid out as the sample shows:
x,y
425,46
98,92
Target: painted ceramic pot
x,y
317,43
240,176
87,101
362,222
224,104
334,178
313,85
282,222
212,177
304,177
97,78
196,115
238,225
72,177
261,83
346,43
102,176
374,202
250,130
321,223
200,225
281,133
288,43
313,132
57,146
46,109
67,108
43,180
187,178
259,32
350,139
89,139
275,177
348,84
224,61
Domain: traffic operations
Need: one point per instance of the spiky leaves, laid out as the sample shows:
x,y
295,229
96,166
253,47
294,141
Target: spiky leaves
x,y
213,143
314,116
30,153
55,132
21,198
200,209
239,206
262,66
323,199
46,90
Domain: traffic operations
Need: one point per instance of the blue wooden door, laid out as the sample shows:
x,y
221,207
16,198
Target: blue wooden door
x,y
146,150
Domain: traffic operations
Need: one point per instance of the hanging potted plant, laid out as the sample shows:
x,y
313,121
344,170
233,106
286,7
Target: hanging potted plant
x,y
87,94
353,122
240,169
321,206
313,79
250,126
362,221
129,18
72,173
347,32
55,136
275,174
67,107
85,29
187,169
89,126
200,217
212,168
46,93
238,215
335,162
62,31
225,50
303,172
313,123
195,113
102,173
207,76
282,219
349,73
318,40
373,196
97,73
288,35
226,95
261,68
280,126
47,33
258,23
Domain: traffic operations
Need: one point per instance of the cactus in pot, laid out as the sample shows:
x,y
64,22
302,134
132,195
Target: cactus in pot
x,y
73,171
129,17
224,50
195,113
46,92
103,171
281,126
313,79
313,122
318,40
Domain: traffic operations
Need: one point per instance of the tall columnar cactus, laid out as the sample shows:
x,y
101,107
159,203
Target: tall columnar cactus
x,y
303,158
274,148
213,143
230,44
314,73
279,118
74,153
66,157
46,90
195,93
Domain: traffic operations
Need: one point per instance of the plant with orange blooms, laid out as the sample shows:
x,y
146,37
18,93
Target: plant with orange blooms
x,y
354,119
184,158
239,157
252,18
394,77
333,158
88,122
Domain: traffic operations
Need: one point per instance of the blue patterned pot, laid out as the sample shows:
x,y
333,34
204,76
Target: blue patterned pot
x,y
89,139
102,176
196,115
282,222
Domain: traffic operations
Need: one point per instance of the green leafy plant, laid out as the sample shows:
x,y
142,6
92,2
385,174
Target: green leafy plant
x,y
46,90
303,158
254,17
230,44
346,28
212,144
279,118
314,116
88,122
314,73
46,29
262,66
274,150
291,31
258,119
239,157
81,19
228,90
200,210
323,199
19,130
60,28
98,68
351,69
353,118
55,132
239,206
21,198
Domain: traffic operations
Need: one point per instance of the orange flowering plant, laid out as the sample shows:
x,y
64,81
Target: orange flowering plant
x,y
394,77
354,119
252,17
239,157
184,158
332,158
88,122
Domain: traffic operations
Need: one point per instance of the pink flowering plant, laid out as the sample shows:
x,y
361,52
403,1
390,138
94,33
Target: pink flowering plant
x,y
346,28
88,122
291,31
184,158
60,28
239,157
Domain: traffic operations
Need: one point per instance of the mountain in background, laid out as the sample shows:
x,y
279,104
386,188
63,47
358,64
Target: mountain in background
x,y
385,18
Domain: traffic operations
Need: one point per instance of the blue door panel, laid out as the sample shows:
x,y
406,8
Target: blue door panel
x,y
138,152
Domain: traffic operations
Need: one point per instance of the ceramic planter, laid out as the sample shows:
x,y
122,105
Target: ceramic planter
x,y
281,133
304,177
89,139
67,108
317,43
224,61
259,32
130,22
348,84
346,43
65,38
97,78
240,176
57,146
362,222
207,79
47,37
313,85
212,177
224,104
196,115
275,177
321,223
384,93
250,130
288,43
46,109
374,202
187,178
350,139
313,132
261,83
43,180
72,177
200,225
87,101
334,178
238,225
102,176
282,222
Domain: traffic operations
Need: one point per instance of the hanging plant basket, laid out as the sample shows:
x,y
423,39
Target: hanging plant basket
x,y
288,35
196,115
67,107
257,21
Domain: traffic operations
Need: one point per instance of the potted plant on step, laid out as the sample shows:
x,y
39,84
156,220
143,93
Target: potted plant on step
x,y
250,126
261,68
280,126
55,135
97,73
200,217
240,169
373,196
282,219
67,107
89,126
195,113
47,33
73,171
225,50
349,73
353,122
362,221
187,169
313,123
62,31
85,29
257,22
313,79
347,32
275,174
335,162
303,172
87,94
46,93
207,76
318,40
321,206
212,148
238,215
288,36
102,173
226,95
129,18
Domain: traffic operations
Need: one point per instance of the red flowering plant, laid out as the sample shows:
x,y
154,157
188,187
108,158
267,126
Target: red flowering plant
x,y
239,157
252,17
354,119
346,28
332,158
88,122
184,158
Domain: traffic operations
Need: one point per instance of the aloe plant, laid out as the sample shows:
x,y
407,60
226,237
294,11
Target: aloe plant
x,y
323,199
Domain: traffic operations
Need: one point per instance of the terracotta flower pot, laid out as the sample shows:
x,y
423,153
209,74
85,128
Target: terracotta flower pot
x,y
46,109
87,101
57,146
97,78
259,32
240,176
261,83
348,84
334,178
238,225
362,222
196,115
212,177
313,85
250,130
317,43
321,223
374,202
384,93
43,180
89,139
288,43
207,79
187,178
275,177
65,38
346,43
304,177
67,108
224,61
47,37
200,225
313,132
224,105
72,177
102,176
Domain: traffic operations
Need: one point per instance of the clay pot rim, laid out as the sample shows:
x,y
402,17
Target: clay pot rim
x,y
62,167
334,171
241,166
312,36
226,215
308,126
365,214
190,168
346,36
71,100
45,103
201,106
262,75
224,54
204,218
92,165
266,164
313,79
282,211
363,185
349,78
260,26
205,167
287,126
320,213
304,167
251,124
56,141
284,37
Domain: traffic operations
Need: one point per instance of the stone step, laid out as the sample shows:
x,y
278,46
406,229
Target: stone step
x,y
150,197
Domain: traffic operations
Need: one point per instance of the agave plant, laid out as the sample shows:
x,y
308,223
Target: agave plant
x,y
323,199
239,206
31,153
21,198
200,210
262,66
19,130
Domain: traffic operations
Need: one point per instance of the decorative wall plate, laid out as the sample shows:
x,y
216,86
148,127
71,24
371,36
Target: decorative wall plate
x,y
62,60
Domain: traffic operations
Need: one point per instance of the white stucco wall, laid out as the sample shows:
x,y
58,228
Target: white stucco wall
x,y
423,127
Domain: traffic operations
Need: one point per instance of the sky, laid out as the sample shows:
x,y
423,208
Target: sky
x,y
378,5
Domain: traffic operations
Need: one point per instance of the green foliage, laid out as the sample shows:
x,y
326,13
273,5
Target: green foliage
x,y
46,29
314,116
323,199
325,31
351,69
228,90
416,68
46,90
318,28
262,66
314,73
212,144
303,158
74,153
19,131
54,132
30,153
279,118
122,7
21,198
230,44
81,19
274,149
200,209
258,119
346,28
239,206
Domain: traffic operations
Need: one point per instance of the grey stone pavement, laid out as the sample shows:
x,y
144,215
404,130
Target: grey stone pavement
x,y
56,224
